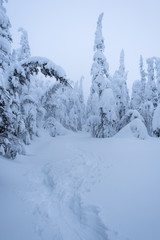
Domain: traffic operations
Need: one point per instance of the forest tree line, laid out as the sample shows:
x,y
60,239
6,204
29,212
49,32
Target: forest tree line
x,y
28,103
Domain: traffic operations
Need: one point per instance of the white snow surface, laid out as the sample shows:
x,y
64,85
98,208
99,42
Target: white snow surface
x,y
51,193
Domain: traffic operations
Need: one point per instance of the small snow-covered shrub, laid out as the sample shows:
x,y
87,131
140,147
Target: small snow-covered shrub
x,y
50,126
11,146
156,122
130,116
93,125
54,127
138,129
147,110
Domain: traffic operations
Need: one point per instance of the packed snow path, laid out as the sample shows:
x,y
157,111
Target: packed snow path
x,y
49,193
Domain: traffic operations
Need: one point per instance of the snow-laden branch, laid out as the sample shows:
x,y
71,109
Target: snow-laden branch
x,y
35,64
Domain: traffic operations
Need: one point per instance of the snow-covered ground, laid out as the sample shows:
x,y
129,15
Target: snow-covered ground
x,y
51,193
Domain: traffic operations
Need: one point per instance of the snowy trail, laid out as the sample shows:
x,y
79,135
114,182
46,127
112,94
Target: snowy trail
x,y
56,172
52,191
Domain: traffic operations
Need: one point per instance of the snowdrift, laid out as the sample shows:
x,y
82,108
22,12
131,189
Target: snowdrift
x,y
135,128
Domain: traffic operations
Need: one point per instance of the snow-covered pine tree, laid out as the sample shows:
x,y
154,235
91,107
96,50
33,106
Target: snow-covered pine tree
x,y
64,105
73,108
119,86
10,145
5,37
156,121
108,117
100,67
138,97
29,105
144,95
101,105
24,51
143,80
78,106
57,102
81,104
29,112
157,63
147,111
11,125
151,90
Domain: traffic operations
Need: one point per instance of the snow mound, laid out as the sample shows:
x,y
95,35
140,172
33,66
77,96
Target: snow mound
x,y
135,128
54,127
138,129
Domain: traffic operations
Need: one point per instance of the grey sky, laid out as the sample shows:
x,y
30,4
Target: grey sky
x,y
63,31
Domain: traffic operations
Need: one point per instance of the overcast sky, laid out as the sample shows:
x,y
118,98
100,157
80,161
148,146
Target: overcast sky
x,y
63,31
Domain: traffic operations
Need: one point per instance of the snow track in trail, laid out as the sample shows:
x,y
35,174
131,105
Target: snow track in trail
x,y
49,193
55,196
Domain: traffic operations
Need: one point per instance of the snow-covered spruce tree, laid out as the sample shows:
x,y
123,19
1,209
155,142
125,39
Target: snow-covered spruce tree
x,y
101,104
147,111
12,129
138,97
143,80
64,105
156,121
29,105
28,110
157,63
151,90
5,37
10,144
144,95
81,108
108,117
119,86
20,89
24,51
78,107
56,102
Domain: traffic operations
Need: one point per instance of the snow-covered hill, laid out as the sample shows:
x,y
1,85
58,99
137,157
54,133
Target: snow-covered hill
x,y
51,193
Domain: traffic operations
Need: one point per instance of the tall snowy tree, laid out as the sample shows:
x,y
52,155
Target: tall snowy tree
x,y
82,103
65,105
101,121
157,63
24,51
151,90
143,80
99,70
144,94
138,97
156,121
5,37
79,102
120,90
9,118
100,67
